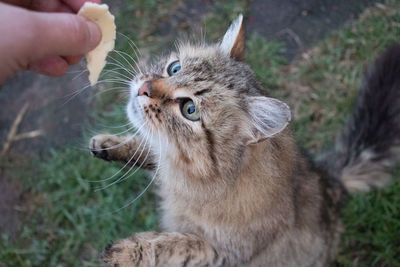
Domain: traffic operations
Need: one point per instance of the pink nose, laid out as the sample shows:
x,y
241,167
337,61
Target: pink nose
x,y
145,89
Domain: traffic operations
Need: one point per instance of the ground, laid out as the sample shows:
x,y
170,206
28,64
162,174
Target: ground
x,y
51,213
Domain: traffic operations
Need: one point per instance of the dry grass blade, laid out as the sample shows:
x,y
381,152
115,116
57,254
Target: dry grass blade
x,y
12,134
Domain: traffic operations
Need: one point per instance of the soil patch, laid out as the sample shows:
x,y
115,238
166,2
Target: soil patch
x,y
301,23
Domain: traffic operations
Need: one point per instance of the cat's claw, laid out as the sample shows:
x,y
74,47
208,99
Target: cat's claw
x,y
122,149
99,146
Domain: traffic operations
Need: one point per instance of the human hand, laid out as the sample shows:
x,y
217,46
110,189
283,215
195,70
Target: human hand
x,y
35,38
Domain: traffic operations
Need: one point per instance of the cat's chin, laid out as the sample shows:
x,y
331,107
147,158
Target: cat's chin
x,y
133,114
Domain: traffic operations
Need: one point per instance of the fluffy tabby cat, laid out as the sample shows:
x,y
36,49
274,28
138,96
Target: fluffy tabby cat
x,y
234,188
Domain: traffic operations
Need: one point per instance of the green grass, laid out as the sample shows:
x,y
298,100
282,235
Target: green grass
x,y
66,223
266,61
222,13
69,222
321,89
372,229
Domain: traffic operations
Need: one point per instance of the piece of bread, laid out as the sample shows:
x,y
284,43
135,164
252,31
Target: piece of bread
x,y
96,59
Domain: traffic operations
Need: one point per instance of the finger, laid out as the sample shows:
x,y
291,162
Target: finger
x,y
62,8
75,5
41,5
52,66
72,60
20,3
49,6
62,34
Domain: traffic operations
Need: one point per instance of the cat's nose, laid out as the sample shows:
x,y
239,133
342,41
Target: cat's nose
x,y
145,89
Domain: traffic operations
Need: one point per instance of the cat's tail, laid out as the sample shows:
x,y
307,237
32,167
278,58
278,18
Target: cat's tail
x,y
369,144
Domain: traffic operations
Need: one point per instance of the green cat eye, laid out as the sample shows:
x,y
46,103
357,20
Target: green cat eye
x,y
173,68
189,110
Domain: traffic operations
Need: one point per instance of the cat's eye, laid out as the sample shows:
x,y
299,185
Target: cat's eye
x,y
173,68
189,110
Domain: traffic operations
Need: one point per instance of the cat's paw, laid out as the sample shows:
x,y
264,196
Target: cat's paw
x,y
126,253
100,145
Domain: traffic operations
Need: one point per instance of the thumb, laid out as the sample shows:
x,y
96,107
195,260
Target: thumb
x,y
62,34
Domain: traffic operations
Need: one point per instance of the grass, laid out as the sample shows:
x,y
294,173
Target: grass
x,y
66,223
372,229
265,60
70,222
215,22
321,88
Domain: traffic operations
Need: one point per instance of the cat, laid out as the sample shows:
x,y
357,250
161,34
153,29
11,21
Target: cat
x,y
235,190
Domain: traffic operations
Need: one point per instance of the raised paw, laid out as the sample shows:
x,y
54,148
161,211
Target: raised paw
x,y
127,252
100,145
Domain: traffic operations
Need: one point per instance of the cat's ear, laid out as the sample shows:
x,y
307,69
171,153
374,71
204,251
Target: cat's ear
x,y
269,116
234,39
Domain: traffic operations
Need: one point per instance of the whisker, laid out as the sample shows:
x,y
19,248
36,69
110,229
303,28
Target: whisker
x,y
78,92
148,186
75,71
129,56
122,88
119,68
118,73
122,143
131,168
138,168
74,94
133,72
115,174
80,74
134,49
115,127
121,54
117,63
131,44
114,80
125,131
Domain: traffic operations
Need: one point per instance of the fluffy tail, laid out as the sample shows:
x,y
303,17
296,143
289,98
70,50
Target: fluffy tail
x,y
369,144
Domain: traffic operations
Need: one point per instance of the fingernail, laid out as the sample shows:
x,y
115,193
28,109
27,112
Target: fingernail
x,y
95,34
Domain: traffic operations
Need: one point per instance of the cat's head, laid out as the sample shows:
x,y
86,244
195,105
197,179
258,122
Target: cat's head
x,y
204,106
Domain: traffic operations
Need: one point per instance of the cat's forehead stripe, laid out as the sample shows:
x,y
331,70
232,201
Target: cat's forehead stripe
x,y
201,92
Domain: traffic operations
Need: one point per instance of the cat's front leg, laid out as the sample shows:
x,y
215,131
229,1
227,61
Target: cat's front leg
x,y
125,149
161,249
